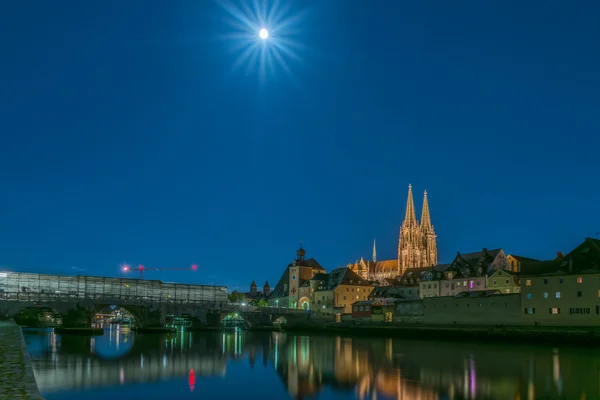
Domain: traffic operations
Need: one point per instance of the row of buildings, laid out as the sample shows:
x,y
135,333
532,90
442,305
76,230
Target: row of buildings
x,y
488,286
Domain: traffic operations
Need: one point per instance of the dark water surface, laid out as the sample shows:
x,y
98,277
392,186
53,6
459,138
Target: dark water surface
x,y
247,365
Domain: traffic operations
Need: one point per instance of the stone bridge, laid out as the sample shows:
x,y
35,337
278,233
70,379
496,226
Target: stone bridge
x,y
78,298
266,316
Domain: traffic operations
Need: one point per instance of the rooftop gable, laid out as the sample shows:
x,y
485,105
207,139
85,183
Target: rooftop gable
x,y
584,258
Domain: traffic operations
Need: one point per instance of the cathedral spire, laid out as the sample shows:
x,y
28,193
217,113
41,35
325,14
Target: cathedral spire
x,y
410,218
425,217
429,252
374,252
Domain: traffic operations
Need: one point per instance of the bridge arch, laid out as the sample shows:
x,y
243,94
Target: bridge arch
x,y
304,303
135,311
234,319
32,314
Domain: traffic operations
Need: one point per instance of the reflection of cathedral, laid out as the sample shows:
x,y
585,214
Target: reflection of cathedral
x,y
417,246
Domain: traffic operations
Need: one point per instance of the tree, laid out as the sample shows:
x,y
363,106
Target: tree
x,y
261,303
236,297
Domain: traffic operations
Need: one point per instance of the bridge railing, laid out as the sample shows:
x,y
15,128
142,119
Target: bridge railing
x,y
42,287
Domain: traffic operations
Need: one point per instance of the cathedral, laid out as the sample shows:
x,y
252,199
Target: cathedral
x,y
416,246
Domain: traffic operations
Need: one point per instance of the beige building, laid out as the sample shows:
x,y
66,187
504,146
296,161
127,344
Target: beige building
x,y
484,307
566,291
504,281
338,290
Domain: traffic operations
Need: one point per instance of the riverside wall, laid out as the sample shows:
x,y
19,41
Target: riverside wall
x,y
17,380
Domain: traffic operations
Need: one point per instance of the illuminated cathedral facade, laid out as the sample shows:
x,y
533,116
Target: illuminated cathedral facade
x,y
417,247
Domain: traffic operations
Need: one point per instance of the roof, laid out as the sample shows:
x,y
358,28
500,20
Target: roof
x,y
367,303
505,272
523,259
441,267
385,291
414,274
311,262
583,259
386,265
337,277
474,264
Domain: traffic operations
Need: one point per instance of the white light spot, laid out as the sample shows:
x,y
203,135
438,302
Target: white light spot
x,y
263,33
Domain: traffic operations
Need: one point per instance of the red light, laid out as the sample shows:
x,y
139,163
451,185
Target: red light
x,y
194,267
192,380
141,267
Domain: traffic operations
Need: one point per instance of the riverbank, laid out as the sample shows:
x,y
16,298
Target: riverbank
x,y
17,380
588,336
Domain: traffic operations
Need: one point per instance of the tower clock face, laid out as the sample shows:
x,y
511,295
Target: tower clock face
x,y
294,277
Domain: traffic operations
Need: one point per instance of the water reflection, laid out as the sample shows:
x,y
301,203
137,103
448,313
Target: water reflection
x,y
280,365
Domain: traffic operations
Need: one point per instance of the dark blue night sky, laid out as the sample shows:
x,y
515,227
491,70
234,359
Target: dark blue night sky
x,y
127,133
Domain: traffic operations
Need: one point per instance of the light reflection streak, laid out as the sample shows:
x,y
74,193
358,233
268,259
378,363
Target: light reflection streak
x,y
556,371
472,377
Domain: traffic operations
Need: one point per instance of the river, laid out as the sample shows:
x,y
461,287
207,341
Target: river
x,y
258,365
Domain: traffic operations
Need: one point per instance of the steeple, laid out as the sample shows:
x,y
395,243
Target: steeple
x,y
374,252
429,252
425,217
300,253
410,240
410,218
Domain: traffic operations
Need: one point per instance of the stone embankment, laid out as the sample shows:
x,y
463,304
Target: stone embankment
x,y
16,374
585,336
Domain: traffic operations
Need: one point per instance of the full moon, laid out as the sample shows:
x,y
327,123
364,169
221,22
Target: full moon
x,y
263,33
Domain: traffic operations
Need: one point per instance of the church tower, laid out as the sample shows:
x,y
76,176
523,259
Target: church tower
x,y
410,241
429,252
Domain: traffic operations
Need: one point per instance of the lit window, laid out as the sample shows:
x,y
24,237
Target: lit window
x,y
470,284
530,311
528,282
545,295
528,296
555,310
579,279
598,293
558,295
